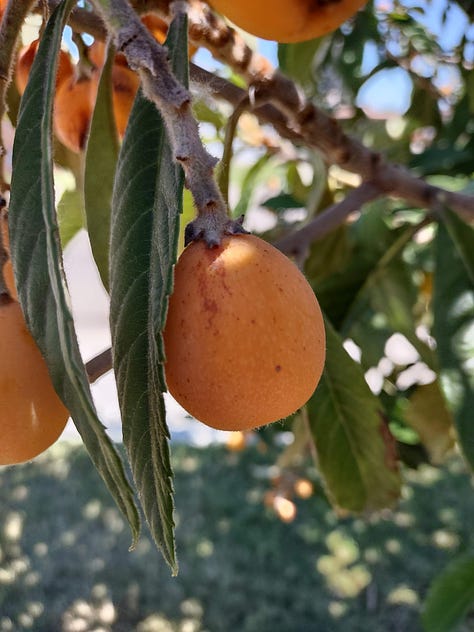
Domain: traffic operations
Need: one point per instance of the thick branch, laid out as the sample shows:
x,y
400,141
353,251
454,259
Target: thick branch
x,y
392,179
292,115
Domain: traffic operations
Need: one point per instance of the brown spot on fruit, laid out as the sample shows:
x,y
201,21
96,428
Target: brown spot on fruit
x,y
232,387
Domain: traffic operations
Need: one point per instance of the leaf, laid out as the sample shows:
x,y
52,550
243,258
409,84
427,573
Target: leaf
x,y
145,223
36,256
453,325
101,161
450,596
281,202
296,60
368,241
427,414
462,236
372,294
70,215
252,177
353,444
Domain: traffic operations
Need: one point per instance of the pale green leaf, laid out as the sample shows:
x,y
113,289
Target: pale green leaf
x,y
70,215
101,160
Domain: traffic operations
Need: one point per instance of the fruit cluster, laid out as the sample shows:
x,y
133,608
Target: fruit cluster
x,y
77,86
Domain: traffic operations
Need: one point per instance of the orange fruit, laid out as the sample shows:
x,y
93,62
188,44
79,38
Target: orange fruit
x,y
7,266
244,336
96,54
124,89
32,416
72,122
303,488
159,29
3,5
236,441
288,20
73,108
25,61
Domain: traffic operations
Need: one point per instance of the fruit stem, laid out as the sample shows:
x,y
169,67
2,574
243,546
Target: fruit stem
x,y
145,55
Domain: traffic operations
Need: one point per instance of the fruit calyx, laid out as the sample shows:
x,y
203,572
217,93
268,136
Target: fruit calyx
x,y
211,228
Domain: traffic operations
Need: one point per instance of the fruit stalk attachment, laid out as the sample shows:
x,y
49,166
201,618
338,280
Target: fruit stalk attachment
x,y
146,56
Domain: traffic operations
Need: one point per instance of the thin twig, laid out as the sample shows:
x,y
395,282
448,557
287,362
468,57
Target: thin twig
x,y
392,179
230,131
299,241
145,55
99,366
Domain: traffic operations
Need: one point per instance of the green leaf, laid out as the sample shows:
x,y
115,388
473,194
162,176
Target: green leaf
x,y
450,597
297,60
427,413
101,161
145,224
462,236
253,175
453,325
37,260
354,446
281,202
70,215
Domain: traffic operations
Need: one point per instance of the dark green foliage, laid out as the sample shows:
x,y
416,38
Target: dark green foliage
x,y
36,255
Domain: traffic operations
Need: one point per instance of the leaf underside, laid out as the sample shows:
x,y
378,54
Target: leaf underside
x,y
144,237
37,261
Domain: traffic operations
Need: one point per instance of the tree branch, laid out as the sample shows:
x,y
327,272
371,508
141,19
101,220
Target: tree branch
x,y
298,241
99,366
293,116
391,179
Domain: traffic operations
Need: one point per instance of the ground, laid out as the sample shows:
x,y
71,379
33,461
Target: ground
x,y
65,564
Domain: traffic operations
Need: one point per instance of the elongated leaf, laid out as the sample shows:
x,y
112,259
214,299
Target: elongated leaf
x,y
70,215
450,597
453,327
101,161
36,255
145,224
354,447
